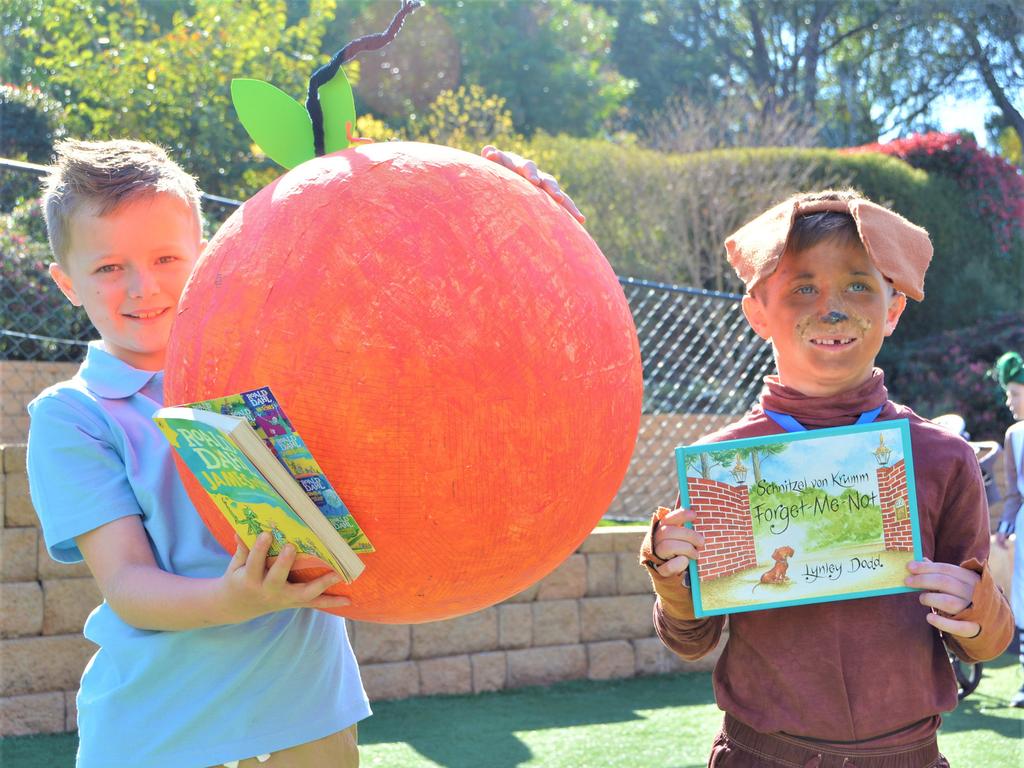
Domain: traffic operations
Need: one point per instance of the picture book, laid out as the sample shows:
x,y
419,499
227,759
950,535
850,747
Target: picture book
x,y
251,488
266,416
802,517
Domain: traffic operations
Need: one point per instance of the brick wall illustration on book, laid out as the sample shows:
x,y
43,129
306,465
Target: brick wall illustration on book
x,y
258,473
829,514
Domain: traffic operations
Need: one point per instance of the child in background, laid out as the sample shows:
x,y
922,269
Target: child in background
x,y
205,658
1010,374
863,682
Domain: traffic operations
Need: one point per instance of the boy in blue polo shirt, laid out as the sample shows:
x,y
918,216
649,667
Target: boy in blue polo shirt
x,y
204,658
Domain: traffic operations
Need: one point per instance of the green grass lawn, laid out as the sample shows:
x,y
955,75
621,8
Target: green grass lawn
x,y
663,721
606,522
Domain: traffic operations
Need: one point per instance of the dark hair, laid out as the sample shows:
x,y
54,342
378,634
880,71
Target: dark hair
x,y
810,229
814,228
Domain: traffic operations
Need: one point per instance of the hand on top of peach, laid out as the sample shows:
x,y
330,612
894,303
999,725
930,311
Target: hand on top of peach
x,y
529,171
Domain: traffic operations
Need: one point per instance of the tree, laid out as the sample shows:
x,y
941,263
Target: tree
x,y
30,123
699,124
855,68
1009,143
772,51
118,73
405,78
549,60
653,48
467,118
701,460
754,455
993,46
930,48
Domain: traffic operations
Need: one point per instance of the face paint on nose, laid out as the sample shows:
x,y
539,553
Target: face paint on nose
x,y
834,321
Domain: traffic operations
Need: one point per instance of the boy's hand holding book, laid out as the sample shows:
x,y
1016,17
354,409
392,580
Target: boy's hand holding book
x,y
675,545
667,550
250,588
950,592
264,482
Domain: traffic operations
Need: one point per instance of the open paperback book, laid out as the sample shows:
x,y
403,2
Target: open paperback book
x,y
252,487
802,517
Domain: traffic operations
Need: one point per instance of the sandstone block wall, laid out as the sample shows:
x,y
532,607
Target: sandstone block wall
x,y
20,381
590,618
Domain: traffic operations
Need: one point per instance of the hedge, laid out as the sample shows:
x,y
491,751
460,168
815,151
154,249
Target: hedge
x,y
664,216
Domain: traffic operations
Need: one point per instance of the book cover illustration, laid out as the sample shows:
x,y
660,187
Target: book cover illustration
x,y
804,517
266,416
245,498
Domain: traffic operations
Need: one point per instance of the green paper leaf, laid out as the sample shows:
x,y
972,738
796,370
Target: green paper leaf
x,y
276,122
338,106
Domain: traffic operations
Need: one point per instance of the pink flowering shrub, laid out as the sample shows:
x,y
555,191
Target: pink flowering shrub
x,y
994,187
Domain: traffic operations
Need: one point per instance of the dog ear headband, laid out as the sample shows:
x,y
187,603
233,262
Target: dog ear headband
x,y
900,250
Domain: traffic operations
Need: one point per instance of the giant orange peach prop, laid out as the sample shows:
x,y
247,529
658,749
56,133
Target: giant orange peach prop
x,y
451,345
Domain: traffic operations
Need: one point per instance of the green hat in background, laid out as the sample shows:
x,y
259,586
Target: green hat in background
x,y
1009,369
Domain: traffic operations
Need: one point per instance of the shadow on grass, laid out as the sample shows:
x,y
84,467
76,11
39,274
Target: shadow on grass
x,y
455,731
981,711
676,712
49,751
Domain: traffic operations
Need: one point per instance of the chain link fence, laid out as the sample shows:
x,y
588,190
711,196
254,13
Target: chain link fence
x,y
703,367
702,363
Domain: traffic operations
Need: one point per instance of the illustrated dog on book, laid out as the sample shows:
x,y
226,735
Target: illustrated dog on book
x,y
777,573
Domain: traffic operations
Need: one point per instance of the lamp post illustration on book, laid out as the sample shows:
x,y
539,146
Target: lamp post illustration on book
x,y
883,452
803,517
738,471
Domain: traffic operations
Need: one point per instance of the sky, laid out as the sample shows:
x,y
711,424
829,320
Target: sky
x,y
955,114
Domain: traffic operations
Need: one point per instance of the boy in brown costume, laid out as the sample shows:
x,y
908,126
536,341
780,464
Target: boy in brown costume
x,y
860,683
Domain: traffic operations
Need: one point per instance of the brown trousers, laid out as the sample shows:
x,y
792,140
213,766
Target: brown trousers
x,y
740,746
339,750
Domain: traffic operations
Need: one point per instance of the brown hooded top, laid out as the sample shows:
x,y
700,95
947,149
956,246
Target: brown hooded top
x,y
900,250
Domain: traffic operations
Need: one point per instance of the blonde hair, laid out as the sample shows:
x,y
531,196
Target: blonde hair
x,y
107,174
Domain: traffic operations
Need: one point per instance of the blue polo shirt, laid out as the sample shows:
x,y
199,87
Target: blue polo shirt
x,y
199,697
